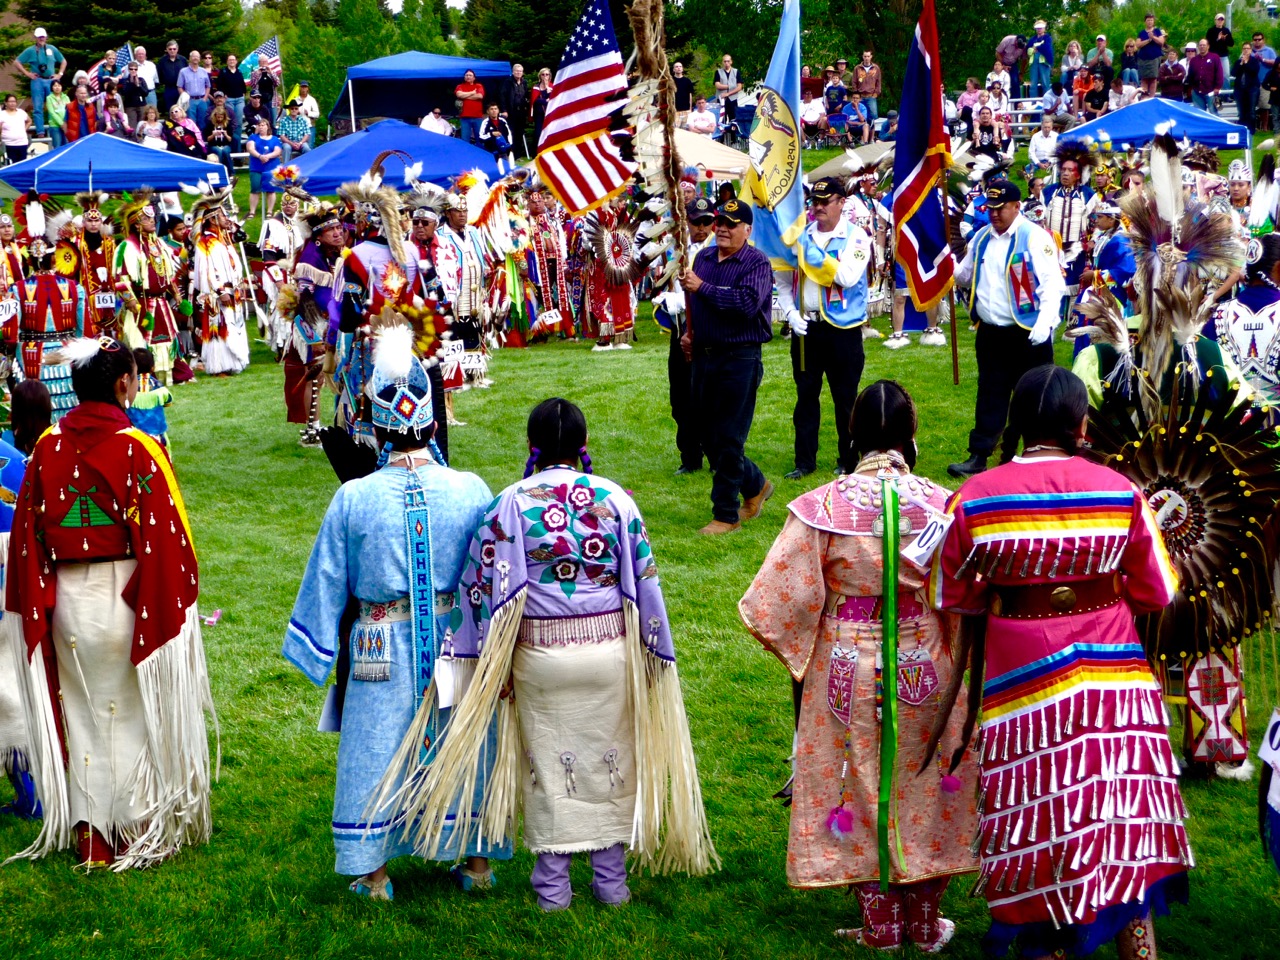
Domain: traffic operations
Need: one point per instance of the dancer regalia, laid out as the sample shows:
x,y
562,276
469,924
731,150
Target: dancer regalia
x,y
15,741
1248,326
13,256
378,272
103,571
577,669
395,541
460,266
1172,414
96,257
51,314
218,284
546,260
146,272
613,266
309,306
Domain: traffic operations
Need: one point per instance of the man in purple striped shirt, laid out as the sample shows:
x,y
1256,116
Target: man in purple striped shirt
x,y
729,293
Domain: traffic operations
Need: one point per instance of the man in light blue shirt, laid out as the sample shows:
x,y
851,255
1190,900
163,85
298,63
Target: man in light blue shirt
x,y
42,64
195,82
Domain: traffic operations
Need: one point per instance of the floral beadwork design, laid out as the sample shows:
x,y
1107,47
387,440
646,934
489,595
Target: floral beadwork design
x,y
567,537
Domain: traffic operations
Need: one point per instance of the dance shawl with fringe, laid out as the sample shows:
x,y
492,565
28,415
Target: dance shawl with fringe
x,y
100,490
559,545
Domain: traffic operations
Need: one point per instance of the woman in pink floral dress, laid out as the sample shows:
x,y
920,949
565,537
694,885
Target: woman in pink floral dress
x,y
816,604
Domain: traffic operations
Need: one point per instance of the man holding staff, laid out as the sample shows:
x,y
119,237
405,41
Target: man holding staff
x,y
729,294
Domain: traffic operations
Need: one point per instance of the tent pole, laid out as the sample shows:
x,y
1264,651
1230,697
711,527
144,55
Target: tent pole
x,y
351,102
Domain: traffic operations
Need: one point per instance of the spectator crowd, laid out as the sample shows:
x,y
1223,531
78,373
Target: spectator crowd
x,y
202,105
1087,85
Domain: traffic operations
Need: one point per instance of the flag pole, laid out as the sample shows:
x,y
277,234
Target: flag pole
x,y
951,291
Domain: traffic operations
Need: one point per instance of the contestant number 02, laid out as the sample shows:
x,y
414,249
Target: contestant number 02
x,y
920,551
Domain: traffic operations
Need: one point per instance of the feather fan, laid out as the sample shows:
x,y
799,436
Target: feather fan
x,y
1265,194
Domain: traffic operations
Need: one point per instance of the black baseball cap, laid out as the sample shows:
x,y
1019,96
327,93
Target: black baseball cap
x,y
1000,192
734,211
700,209
826,188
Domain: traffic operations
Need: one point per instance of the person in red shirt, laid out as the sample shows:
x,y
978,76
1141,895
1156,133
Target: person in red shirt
x,y
471,97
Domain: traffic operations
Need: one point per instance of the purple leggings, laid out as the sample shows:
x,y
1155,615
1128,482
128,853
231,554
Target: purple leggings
x,y
609,884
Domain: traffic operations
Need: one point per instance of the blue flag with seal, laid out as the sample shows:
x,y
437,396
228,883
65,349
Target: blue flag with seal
x,y
774,177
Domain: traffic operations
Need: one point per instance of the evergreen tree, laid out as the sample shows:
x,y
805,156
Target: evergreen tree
x,y
532,32
363,32
418,27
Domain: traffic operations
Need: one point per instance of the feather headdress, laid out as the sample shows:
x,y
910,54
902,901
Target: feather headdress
x,y
1177,244
132,207
379,204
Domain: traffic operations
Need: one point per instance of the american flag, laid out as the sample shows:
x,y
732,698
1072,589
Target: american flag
x,y
267,57
123,56
576,157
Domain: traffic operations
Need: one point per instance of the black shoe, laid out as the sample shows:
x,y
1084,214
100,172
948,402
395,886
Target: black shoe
x,y
682,469
975,464
797,474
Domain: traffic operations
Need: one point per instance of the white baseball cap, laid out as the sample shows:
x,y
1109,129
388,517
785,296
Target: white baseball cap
x,y
40,32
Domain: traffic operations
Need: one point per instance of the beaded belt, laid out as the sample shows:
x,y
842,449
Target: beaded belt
x,y
1040,601
400,609
870,609
31,336
567,631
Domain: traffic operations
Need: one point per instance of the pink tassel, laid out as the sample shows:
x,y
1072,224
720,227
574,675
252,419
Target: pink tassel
x,y
951,784
840,822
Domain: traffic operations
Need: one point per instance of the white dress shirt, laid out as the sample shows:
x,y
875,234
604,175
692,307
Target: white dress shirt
x,y
853,263
147,73
992,295
1042,148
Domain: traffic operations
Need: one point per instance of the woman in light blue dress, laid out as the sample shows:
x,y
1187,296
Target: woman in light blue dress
x,y
401,653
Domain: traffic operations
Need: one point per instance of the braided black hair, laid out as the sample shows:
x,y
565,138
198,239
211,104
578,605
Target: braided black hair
x,y
883,418
558,433
1048,406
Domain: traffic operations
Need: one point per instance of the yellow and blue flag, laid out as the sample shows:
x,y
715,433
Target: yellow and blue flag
x,y
923,153
774,178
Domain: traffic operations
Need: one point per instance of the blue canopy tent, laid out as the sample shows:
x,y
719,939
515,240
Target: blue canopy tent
x,y
101,162
412,84
1135,125
329,166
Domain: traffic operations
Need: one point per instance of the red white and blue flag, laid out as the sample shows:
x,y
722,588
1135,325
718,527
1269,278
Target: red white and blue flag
x,y
123,56
577,159
922,156
265,57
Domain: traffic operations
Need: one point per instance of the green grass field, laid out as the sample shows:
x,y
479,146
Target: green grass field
x,y
265,886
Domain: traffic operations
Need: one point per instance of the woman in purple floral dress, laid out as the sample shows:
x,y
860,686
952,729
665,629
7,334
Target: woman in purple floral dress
x,y
560,594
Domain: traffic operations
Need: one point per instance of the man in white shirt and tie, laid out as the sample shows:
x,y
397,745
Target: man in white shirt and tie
x,y
1017,287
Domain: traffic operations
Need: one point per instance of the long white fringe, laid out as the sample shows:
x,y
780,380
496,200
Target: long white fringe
x,y
447,785
47,767
171,780
669,833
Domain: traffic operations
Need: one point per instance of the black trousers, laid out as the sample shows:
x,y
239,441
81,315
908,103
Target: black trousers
x,y
518,126
1004,355
725,381
837,354
683,411
436,379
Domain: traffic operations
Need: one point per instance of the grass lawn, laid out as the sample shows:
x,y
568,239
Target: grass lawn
x,y
265,886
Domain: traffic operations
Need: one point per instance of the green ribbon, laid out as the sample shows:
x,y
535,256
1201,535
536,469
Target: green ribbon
x,y
889,672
